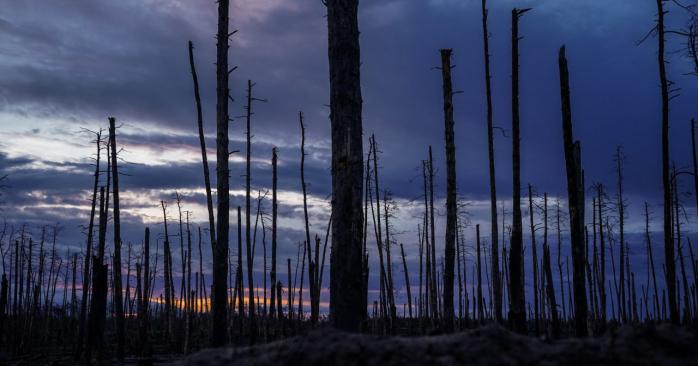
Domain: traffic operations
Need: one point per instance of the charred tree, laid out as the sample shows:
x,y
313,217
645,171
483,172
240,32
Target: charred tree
x,y
451,209
116,270
202,142
274,211
494,237
346,311
517,302
219,293
575,194
88,255
670,274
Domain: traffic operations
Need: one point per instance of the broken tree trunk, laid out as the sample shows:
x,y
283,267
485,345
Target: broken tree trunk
x,y
575,194
346,310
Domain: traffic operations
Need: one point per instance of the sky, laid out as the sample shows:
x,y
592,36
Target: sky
x,y
66,66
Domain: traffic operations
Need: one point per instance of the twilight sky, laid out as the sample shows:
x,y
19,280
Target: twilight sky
x,y
67,65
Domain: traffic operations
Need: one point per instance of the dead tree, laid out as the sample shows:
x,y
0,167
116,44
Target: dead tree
x,y
219,293
378,228
145,300
314,308
88,255
202,142
167,277
494,237
650,260
534,254
451,209
694,159
346,311
621,221
575,196
434,288
670,274
407,280
274,211
517,302
547,269
480,301
116,270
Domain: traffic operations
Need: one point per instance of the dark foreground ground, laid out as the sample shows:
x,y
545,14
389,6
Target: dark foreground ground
x,y
660,345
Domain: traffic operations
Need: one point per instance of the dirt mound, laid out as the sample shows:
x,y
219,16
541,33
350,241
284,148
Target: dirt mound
x,y
491,345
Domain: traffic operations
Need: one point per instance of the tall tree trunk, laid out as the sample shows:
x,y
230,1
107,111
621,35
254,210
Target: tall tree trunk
x,y
434,288
314,313
167,276
146,293
534,254
575,194
666,181
346,311
494,237
517,306
219,293
248,206
202,142
274,211
480,301
547,268
451,209
116,270
621,221
88,256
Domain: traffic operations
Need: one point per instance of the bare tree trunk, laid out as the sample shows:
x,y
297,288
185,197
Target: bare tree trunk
x,y
274,211
239,275
650,262
451,210
389,262
314,312
407,280
427,300
677,223
248,243
143,314
346,311
480,302
575,192
534,254
494,237
517,306
116,270
621,221
202,142
385,302
547,268
167,277
219,293
434,288
88,256
666,182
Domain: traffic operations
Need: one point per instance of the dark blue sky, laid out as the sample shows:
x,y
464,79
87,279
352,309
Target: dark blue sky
x,y
65,65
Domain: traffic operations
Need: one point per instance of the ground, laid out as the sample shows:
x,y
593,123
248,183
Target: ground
x,y
491,345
